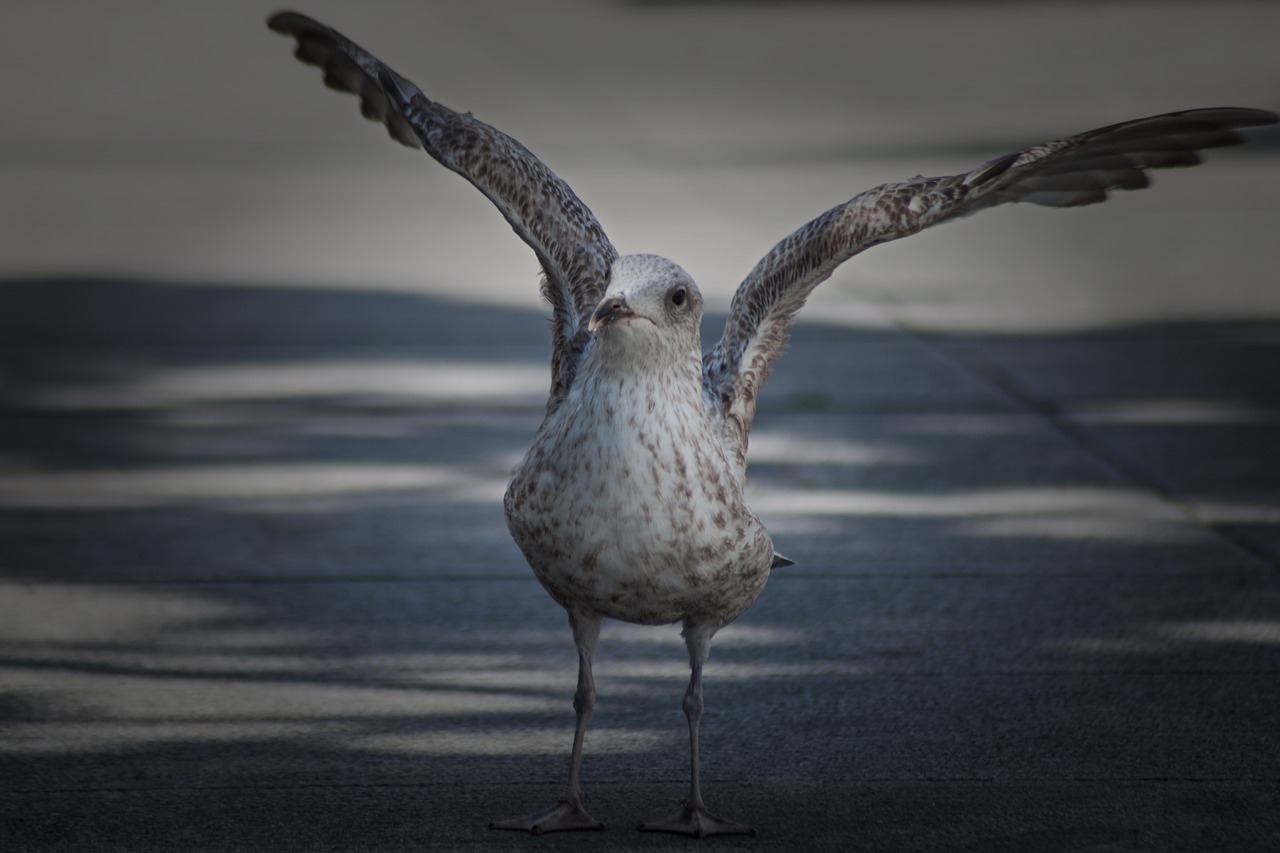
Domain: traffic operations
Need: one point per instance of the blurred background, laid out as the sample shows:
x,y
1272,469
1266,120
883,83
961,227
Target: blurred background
x,y
178,142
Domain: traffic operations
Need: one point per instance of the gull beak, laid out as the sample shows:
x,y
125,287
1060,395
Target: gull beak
x,y
611,310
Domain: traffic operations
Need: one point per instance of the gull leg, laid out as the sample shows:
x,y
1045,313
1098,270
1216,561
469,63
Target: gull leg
x,y
692,818
569,813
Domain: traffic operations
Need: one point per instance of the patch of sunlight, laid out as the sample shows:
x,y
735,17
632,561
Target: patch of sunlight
x,y
1256,631
478,490
557,681
417,669
141,697
245,639
952,424
1236,512
53,738
488,671
298,419
78,737
1115,646
1173,412
178,662
738,634
1165,637
989,502
788,448
799,525
484,490
677,669
667,636
74,614
524,742
426,380
1097,527
148,487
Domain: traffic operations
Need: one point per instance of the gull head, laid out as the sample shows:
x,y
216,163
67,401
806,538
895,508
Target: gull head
x,y
651,305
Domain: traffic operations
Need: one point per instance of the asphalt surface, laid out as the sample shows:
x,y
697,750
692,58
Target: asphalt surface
x,y
256,592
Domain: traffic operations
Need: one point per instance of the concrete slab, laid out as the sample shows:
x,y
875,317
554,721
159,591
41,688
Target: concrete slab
x,y
1172,363
273,592
1192,411
196,697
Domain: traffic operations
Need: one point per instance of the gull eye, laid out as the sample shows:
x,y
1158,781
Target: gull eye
x,y
678,296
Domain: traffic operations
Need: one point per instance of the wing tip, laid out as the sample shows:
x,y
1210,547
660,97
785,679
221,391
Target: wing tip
x,y
287,22
383,94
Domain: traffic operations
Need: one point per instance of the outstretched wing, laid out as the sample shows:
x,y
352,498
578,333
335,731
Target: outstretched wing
x,y
1069,172
570,244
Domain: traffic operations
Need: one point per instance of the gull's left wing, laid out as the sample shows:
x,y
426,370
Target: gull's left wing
x,y
1069,172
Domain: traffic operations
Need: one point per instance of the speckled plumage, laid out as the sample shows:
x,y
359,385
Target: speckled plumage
x,y
629,503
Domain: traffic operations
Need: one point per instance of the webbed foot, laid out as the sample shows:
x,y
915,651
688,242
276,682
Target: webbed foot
x,y
697,822
564,816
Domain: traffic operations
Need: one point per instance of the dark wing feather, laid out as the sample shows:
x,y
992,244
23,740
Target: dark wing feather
x,y
1069,172
570,244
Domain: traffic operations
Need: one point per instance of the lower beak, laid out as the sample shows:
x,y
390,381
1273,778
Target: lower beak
x,y
609,311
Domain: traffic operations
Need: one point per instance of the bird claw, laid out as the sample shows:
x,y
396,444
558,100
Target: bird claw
x,y
564,816
697,822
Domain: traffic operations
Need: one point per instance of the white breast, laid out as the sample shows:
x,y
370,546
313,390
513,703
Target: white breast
x,y
626,505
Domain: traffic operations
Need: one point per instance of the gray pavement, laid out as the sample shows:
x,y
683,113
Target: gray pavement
x,y
295,621
257,409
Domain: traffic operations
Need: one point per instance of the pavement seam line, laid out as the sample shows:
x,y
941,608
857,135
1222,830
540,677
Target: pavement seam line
x,y
1050,413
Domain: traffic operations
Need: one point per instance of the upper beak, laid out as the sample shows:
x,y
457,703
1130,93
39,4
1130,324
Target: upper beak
x,y
609,311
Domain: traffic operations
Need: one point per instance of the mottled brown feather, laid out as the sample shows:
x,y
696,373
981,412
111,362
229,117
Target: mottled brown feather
x,y
1078,170
562,231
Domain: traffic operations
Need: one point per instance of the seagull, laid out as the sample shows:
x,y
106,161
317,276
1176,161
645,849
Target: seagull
x,y
629,503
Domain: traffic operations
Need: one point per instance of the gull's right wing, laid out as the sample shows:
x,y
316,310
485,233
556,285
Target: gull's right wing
x,y
570,244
